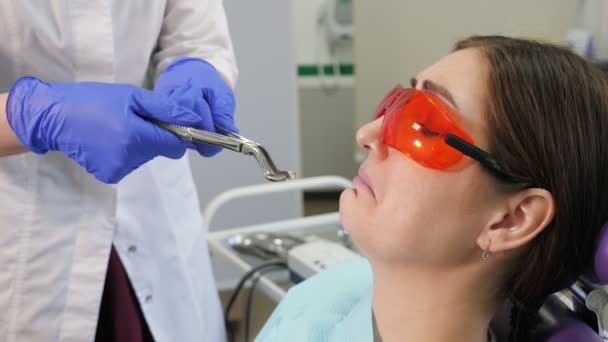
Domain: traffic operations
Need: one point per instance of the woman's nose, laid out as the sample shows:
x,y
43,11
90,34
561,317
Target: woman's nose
x,y
368,138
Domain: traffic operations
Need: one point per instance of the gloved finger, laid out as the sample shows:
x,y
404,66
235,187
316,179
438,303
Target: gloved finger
x,y
167,144
156,141
159,107
226,122
168,79
191,98
207,150
222,105
152,140
201,106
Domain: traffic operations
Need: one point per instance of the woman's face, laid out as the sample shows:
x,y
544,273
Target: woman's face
x,y
402,212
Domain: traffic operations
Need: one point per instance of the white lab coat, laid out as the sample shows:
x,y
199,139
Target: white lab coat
x,y
57,223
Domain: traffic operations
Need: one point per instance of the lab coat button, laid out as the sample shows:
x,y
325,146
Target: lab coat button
x,y
132,249
148,298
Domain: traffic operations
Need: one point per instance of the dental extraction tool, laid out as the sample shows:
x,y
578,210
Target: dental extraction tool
x,y
234,142
265,246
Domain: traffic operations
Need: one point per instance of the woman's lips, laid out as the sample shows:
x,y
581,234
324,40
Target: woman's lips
x,y
361,183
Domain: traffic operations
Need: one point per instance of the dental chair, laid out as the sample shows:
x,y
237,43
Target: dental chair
x,y
577,314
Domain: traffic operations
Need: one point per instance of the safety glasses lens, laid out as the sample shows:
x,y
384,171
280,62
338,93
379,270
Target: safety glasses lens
x,y
416,124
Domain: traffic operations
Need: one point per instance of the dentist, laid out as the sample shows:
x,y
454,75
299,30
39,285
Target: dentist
x,y
100,237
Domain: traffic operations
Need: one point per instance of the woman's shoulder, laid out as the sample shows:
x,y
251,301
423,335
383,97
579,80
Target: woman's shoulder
x,y
323,305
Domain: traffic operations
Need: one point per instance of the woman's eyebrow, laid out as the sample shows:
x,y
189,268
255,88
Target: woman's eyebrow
x,y
435,88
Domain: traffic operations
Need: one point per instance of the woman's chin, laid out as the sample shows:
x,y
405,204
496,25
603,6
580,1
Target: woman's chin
x,y
346,203
350,212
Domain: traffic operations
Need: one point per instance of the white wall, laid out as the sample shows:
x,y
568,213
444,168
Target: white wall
x,y
326,105
327,122
395,39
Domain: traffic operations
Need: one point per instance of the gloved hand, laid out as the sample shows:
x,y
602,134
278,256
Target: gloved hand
x,y
197,85
100,126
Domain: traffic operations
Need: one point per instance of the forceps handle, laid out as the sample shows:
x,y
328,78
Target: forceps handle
x,y
234,142
202,136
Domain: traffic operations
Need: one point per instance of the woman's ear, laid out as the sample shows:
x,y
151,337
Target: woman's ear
x,y
524,216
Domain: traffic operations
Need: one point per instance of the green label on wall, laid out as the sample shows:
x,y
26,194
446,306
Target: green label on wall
x,y
307,70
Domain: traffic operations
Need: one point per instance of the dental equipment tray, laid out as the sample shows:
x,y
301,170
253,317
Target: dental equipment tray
x,y
310,258
310,228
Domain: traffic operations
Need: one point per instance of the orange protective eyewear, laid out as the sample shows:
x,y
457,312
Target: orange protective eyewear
x,y
421,126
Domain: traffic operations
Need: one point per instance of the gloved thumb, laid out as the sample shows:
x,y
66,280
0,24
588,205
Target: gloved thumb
x,y
158,141
150,105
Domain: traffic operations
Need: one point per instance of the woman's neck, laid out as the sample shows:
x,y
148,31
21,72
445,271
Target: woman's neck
x,y
453,305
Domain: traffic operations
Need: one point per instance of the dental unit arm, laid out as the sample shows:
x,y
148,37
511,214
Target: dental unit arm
x,y
232,141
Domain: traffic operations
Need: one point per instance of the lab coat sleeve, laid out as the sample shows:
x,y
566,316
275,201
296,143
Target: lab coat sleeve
x,y
196,28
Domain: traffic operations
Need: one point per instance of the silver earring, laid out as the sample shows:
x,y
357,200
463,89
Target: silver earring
x,y
486,253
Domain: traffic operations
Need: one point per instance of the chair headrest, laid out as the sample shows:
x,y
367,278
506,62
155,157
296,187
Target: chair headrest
x,y
570,330
600,261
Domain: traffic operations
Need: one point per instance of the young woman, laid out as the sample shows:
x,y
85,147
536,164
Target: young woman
x,y
485,181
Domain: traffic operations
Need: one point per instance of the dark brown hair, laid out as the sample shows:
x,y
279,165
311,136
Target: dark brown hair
x,y
548,124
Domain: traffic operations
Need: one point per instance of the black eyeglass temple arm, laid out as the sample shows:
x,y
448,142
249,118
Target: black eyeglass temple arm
x,y
479,155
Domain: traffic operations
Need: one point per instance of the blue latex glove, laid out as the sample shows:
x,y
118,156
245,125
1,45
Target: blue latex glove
x,y
196,85
98,125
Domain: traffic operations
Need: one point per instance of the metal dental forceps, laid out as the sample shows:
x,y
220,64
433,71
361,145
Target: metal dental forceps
x,y
234,142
